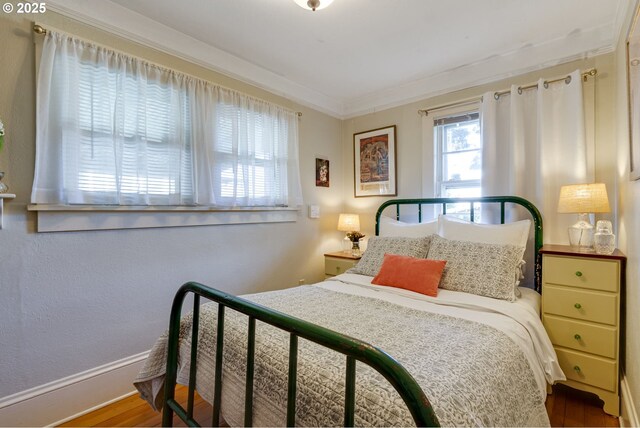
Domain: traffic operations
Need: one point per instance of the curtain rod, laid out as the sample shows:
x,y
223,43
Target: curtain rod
x,y
39,29
567,79
425,112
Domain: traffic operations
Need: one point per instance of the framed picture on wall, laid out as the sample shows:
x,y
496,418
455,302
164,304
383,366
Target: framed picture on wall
x,y
633,80
322,172
374,159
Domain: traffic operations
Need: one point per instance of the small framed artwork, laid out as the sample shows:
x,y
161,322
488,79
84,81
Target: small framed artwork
x,y
322,172
374,159
633,80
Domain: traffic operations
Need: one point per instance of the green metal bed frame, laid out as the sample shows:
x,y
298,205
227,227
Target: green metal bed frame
x,y
352,348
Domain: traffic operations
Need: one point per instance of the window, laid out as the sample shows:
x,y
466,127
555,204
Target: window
x,y
116,130
128,143
458,158
251,155
459,155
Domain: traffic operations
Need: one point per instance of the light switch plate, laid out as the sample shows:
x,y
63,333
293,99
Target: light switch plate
x,y
314,211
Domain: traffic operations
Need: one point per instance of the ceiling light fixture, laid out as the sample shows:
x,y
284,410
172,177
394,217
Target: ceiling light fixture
x,y
313,4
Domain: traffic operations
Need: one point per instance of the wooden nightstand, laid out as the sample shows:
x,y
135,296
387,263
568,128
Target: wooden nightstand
x,y
581,313
338,262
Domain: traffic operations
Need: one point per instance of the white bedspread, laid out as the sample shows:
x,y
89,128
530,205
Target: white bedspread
x,y
522,322
470,354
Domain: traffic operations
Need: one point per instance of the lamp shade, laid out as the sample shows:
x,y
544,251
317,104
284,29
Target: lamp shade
x,y
349,223
584,198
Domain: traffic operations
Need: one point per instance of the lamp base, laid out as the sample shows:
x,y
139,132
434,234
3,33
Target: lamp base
x,y
581,233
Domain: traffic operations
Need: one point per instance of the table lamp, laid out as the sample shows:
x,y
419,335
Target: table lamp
x,y
350,223
583,199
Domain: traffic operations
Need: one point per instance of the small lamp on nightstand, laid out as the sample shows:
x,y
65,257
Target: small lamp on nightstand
x,y
350,223
583,199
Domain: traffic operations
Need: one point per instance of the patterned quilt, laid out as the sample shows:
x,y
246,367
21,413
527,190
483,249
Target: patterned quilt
x,y
473,374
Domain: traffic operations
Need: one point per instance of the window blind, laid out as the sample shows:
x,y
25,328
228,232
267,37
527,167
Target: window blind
x,y
116,130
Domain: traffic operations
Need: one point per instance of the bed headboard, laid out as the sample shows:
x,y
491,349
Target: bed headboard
x,y
473,203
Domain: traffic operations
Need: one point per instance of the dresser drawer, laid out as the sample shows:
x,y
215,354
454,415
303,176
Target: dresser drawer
x,y
335,266
581,272
582,305
595,371
581,336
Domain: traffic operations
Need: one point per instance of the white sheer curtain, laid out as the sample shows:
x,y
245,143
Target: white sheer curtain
x,y
111,129
114,129
248,154
534,141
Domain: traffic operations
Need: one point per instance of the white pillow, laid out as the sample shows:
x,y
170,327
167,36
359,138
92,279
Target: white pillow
x,y
516,233
392,227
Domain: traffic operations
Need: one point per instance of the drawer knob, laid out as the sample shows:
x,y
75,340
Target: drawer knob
x,y
578,273
577,306
577,337
576,369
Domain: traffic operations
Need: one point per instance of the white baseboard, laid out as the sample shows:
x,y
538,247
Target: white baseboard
x,y
629,413
67,398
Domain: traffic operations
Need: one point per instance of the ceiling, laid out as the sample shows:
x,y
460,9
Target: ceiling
x,y
358,56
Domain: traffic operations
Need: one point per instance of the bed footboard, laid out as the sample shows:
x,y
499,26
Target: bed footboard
x,y
353,349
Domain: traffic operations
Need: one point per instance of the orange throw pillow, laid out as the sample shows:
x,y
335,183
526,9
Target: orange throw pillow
x,y
410,273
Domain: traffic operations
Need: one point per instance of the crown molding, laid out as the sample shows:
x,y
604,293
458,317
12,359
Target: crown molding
x,y
528,59
623,20
113,18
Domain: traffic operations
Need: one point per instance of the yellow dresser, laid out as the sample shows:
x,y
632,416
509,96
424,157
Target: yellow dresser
x,y
338,262
581,313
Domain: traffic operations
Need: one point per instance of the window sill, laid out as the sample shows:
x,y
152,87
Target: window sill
x,y
68,218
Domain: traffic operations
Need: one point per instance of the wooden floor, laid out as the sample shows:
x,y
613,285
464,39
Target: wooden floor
x,y
567,407
133,411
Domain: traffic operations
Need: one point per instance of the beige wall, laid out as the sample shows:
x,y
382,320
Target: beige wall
x,y
409,132
76,300
629,220
73,301
611,167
